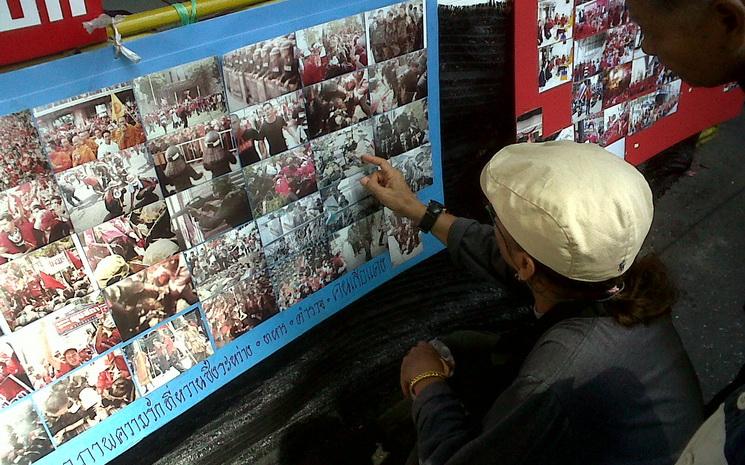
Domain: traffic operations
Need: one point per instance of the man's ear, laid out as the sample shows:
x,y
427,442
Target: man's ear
x,y
730,16
525,264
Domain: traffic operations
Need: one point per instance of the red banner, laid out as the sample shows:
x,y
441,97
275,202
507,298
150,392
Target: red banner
x,y
36,28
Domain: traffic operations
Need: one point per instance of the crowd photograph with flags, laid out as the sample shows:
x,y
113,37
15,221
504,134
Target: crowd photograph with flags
x,y
86,127
41,282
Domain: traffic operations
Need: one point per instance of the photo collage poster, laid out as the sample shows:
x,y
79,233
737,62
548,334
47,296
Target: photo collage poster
x,y
617,89
232,182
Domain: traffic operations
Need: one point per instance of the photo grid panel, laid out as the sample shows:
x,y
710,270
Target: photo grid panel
x,y
617,89
238,185
169,350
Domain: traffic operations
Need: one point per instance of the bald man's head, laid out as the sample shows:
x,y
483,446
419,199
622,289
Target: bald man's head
x,y
701,40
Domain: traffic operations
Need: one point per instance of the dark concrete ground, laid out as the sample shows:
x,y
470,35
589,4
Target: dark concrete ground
x,y
699,230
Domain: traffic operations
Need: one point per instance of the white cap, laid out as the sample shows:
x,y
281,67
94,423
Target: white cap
x,y
576,208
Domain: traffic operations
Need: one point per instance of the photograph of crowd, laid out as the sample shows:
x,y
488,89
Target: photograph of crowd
x,y
554,65
398,82
619,45
66,339
529,127
647,75
295,277
221,262
280,180
587,98
86,397
31,216
42,282
171,349
21,156
339,219
129,244
260,72
74,130
616,84
401,130
341,195
555,21
240,308
588,54
597,16
416,166
111,186
296,240
339,155
180,97
209,209
361,242
199,153
337,103
280,222
395,30
647,110
332,49
590,129
23,439
616,123
268,129
404,239
14,382
146,298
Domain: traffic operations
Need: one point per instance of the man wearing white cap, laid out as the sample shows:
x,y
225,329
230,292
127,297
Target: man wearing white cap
x,y
607,380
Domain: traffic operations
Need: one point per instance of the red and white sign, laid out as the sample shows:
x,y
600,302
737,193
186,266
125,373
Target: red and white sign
x,y
35,28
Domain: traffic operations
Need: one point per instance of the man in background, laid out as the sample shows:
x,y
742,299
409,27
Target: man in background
x,y
703,41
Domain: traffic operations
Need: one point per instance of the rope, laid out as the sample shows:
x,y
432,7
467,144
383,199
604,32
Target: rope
x,y
184,15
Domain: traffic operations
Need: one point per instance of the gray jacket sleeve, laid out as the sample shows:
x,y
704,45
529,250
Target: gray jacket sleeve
x,y
473,246
526,424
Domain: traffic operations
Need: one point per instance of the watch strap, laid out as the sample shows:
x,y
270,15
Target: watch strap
x,y
434,209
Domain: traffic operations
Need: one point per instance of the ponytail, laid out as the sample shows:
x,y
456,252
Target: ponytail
x,y
646,292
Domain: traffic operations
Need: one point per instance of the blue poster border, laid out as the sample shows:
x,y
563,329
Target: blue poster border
x,y
49,82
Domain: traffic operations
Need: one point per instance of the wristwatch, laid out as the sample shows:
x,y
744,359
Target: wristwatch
x,y
430,216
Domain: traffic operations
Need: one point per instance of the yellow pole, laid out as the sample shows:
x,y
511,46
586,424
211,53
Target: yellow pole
x,y
167,16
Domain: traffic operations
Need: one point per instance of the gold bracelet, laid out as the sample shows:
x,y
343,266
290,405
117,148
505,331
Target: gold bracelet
x,y
423,376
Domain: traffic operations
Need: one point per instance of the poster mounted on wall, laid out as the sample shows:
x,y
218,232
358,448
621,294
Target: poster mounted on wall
x,y
582,63
167,225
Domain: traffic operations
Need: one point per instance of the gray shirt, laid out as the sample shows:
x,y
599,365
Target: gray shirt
x,y
590,392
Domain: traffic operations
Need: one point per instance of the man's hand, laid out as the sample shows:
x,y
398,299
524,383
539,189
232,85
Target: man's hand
x,y
420,359
388,185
